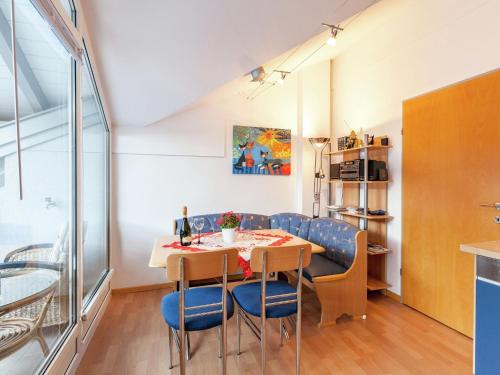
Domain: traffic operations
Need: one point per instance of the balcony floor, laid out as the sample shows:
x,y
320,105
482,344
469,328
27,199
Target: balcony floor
x,y
395,339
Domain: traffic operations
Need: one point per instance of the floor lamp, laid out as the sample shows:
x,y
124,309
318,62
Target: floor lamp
x,y
319,145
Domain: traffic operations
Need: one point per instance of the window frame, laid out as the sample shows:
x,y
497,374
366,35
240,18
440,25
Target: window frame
x,y
86,62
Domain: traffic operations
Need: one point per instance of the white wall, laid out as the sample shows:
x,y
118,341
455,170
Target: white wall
x,y
186,160
400,49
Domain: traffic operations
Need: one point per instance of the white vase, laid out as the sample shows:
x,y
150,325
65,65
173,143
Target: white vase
x,y
228,235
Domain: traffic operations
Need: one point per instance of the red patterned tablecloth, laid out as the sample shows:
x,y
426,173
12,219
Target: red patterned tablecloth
x,y
245,242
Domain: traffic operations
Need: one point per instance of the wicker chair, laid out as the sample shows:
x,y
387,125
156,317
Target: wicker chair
x,y
54,254
21,319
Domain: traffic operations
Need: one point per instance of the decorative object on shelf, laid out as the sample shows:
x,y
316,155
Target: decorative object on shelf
x,y
376,212
342,143
229,222
368,139
265,151
381,141
353,141
319,145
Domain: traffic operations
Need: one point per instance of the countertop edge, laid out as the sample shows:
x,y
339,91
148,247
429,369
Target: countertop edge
x,y
477,249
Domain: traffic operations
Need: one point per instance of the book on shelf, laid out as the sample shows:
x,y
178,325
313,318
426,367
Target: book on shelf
x,y
376,248
336,208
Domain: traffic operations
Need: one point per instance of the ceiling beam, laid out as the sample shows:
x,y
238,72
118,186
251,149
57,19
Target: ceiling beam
x,y
28,83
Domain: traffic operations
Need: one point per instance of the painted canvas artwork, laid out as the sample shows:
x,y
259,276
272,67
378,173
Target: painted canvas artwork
x,y
265,151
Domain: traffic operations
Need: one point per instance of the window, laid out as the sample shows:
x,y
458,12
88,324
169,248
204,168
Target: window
x,y
95,182
69,8
38,228
2,172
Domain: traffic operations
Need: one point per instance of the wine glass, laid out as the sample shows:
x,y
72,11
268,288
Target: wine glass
x,y
199,222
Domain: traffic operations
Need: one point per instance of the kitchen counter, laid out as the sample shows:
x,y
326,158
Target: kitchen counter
x,y
487,306
490,249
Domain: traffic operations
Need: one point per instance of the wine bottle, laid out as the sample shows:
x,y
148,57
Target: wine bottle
x,y
185,232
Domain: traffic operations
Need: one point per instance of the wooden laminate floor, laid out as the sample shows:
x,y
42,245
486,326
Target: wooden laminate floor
x,y
132,339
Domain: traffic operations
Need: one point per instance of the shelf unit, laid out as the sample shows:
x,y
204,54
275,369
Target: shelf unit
x,y
369,195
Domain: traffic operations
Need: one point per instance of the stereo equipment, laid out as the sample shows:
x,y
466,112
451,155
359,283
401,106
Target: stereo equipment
x,y
335,171
354,170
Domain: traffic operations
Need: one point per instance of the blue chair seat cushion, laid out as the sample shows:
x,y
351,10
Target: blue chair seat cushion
x,y
322,266
248,298
196,297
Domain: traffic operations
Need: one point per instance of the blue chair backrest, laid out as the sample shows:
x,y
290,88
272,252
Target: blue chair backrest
x,y
295,224
337,237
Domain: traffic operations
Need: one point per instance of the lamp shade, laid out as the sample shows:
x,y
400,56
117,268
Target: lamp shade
x,y
319,143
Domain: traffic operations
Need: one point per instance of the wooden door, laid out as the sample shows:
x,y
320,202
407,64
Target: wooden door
x,y
451,164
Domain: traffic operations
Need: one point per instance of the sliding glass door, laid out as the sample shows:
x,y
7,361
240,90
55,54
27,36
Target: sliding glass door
x,y
95,187
37,246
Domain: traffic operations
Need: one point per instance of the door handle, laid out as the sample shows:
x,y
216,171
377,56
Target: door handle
x,y
491,205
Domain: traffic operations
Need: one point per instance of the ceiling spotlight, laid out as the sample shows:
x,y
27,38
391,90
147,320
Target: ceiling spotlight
x,y
334,30
280,81
258,74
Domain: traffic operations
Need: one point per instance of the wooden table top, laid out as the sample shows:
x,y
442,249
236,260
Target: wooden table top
x,y
490,249
159,253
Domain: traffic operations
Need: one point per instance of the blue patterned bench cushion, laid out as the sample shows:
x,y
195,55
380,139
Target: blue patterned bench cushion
x,y
337,237
295,224
209,226
248,221
254,221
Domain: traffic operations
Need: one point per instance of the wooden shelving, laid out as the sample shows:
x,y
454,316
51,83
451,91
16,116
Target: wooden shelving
x,y
357,149
374,284
369,195
378,252
357,182
362,216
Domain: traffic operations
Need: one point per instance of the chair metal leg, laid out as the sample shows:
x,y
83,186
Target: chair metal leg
x,y
298,332
263,346
170,347
188,347
219,334
238,331
281,331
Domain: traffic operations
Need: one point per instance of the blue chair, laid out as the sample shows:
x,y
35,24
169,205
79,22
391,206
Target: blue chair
x,y
197,309
274,298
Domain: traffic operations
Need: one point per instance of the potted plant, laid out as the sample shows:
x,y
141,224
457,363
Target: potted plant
x,y
229,222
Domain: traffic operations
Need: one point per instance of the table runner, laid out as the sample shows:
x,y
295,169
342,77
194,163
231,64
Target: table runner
x,y
245,242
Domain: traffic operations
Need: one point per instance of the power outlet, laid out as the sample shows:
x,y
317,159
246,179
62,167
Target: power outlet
x,y
497,219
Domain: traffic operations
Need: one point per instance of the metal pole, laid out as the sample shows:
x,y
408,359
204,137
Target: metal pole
x,y
365,191
298,328
16,100
238,329
224,317
182,346
263,315
170,346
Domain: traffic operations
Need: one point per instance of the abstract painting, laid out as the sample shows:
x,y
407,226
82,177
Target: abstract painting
x,y
265,151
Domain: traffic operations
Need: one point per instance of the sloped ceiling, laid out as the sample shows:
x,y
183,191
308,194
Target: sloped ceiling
x,y
157,57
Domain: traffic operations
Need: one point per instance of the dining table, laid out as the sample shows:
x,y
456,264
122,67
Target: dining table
x,y
245,242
